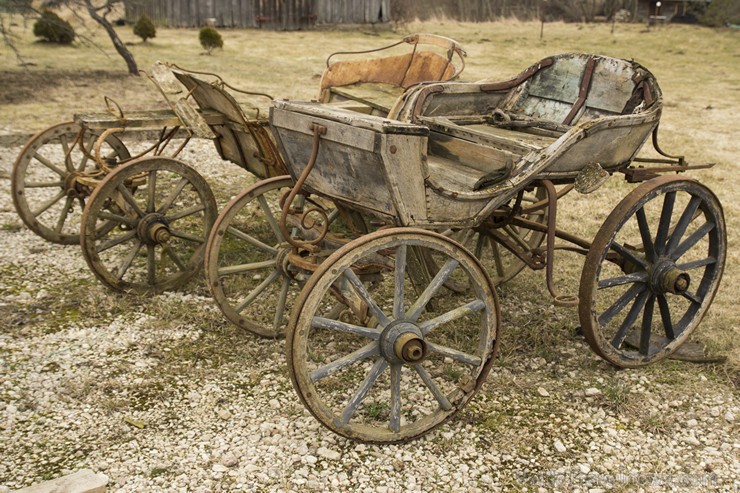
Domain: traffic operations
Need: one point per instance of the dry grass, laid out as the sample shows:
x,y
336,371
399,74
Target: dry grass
x,y
697,68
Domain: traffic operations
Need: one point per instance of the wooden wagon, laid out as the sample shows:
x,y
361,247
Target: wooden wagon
x,y
395,331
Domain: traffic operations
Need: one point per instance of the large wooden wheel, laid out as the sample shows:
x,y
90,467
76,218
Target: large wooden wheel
x,y
392,366
652,272
162,211
50,180
247,267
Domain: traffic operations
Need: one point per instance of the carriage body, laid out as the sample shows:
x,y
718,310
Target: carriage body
x,y
421,168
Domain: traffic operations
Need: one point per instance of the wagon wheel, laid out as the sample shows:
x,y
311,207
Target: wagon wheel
x,y
246,260
390,369
46,187
652,271
501,264
163,211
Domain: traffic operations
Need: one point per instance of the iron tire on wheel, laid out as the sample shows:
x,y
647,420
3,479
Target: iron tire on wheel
x,y
159,240
647,282
438,357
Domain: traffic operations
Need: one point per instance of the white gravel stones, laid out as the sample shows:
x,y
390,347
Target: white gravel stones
x,y
221,414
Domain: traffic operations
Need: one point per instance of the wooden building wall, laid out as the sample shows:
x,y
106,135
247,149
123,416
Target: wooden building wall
x,y
269,14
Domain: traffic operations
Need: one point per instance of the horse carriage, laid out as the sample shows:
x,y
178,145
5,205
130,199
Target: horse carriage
x,y
396,329
441,194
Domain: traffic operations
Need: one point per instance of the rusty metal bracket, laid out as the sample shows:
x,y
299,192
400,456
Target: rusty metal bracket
x,y
558,299
310,245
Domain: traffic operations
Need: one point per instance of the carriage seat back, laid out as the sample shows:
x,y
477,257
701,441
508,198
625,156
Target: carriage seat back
x,y
578,87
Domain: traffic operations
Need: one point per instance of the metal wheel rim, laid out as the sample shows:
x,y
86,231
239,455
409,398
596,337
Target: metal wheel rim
x,y
213,249
114,184
329,271
70,130
703,289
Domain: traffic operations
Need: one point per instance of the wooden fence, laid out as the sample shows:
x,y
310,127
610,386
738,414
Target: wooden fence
x,y
270,14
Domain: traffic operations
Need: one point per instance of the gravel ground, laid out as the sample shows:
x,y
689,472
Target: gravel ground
x,y
161,394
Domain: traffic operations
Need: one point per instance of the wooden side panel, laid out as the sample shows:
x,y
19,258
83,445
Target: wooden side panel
x,y
405,174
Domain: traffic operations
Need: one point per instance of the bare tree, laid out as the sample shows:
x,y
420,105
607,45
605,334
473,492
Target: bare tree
x,y
99,11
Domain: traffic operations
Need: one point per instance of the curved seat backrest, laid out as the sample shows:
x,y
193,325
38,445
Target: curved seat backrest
x,y
401,71
578,87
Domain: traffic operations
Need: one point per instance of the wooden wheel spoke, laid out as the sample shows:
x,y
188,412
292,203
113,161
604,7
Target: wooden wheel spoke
x,y
377,369
692,240
395,408
647,239
666,213
109,216
43,160
459,312
367,351
444,403
497,260
187,236
128,260
687,217
46,205
691,297
242,268
115,241
170,199
43,184
280,307
270,217
151,273
625,252
665,316
151,191
336,325
630,319
621,302
252,241
400,277
63,216
363,293
186,212
468,359
67,154
258,290
439,279
85,152
621,280
647,325
172,254
695,264
130,200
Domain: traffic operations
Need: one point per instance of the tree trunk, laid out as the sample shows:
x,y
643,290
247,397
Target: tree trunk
x,y
117,43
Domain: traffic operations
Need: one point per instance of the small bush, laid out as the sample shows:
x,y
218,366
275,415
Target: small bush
x,y
53,28
144,28
210,39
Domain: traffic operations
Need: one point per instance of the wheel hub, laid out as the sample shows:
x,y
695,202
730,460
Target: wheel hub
x,y
73,188
153,229
667,278
402,342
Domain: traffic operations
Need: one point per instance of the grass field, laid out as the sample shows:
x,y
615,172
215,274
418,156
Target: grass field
x,y
698,70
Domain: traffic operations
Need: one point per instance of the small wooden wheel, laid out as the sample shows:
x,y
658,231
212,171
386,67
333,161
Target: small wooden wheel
x,y
392,366
163,212
652,271
246,260
48,182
